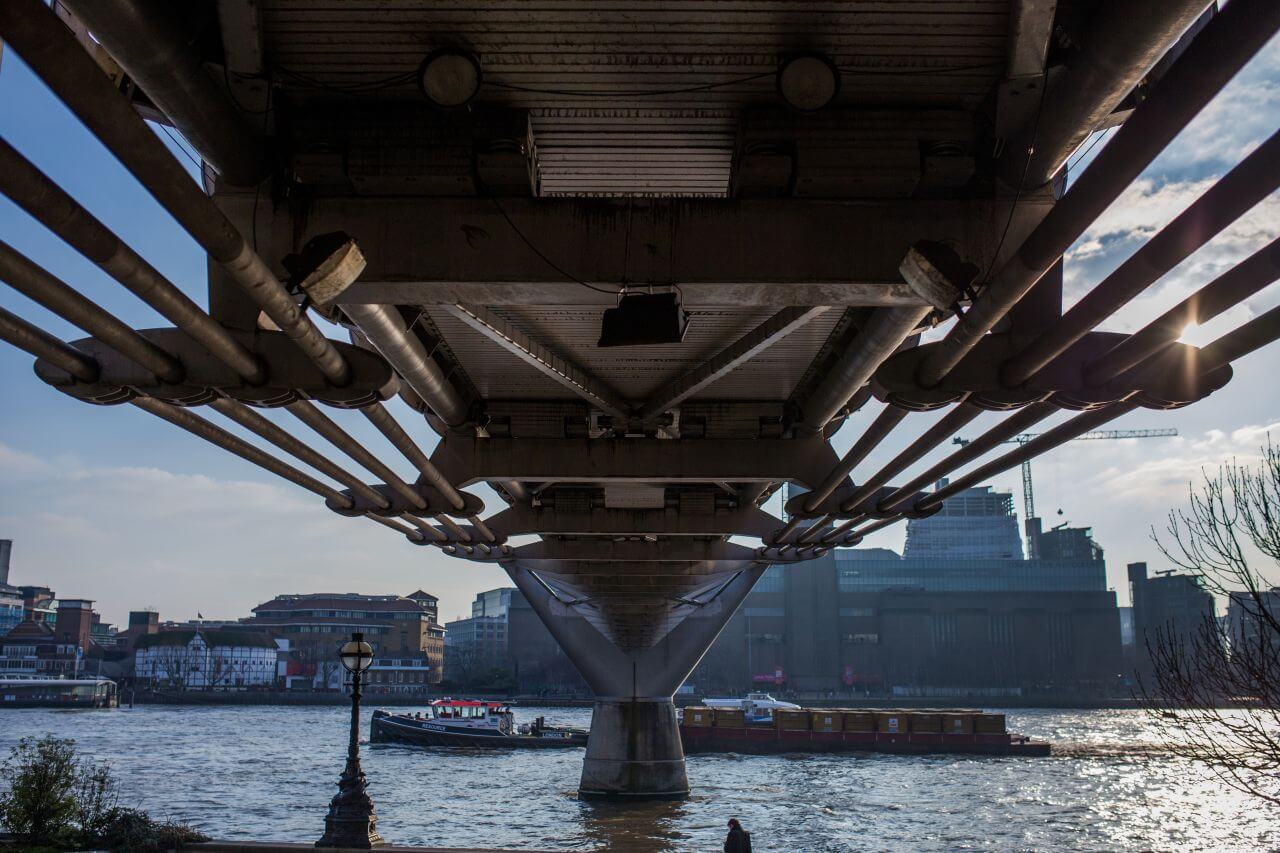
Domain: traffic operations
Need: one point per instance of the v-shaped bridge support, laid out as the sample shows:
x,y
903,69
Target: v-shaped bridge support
x,y
634,749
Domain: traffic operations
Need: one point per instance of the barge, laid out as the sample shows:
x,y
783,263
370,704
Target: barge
x,y
470,724
924,731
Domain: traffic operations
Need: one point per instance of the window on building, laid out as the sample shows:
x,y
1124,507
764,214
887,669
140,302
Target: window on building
x,y
1001,629
770,581
945,629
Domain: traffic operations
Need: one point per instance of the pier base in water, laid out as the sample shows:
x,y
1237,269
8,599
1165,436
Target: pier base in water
x,y
634,751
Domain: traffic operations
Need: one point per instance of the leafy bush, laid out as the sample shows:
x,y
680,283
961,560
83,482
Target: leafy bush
x,y
51,797
130,829
39,801
97,796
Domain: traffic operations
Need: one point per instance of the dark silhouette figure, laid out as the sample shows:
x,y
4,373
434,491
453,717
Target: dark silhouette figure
x,y
738,840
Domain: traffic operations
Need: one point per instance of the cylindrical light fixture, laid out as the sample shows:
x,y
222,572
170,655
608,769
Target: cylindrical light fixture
x,y
450,77
808,81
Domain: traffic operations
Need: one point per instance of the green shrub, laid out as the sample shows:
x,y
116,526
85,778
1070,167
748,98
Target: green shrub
x,y
53,798
38,802
130,829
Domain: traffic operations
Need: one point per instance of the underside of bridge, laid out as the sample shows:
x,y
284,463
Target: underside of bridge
x,y
634,263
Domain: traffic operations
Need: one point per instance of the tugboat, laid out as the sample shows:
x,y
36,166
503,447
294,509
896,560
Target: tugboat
x,y
470,723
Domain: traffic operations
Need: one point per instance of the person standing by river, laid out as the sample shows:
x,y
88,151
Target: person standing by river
x,y
738,840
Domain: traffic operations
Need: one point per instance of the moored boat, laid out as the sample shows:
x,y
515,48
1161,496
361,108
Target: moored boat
x,y
470,723
27,692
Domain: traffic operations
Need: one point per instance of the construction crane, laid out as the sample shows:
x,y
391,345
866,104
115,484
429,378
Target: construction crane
x,y
1028,492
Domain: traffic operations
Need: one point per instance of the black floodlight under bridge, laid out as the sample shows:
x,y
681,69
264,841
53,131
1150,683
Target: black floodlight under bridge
x,y
644,319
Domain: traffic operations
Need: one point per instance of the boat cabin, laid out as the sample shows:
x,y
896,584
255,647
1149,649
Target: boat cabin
x,y
473,714
466,709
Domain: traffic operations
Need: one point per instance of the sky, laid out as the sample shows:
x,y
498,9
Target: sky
x,y
109,503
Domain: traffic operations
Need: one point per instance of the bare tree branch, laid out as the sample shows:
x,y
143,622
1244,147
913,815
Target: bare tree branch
x,y
1215,690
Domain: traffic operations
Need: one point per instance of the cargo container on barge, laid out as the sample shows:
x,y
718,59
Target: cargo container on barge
x,y
950,730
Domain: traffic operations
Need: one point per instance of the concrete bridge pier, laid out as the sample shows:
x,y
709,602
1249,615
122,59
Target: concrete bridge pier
x,y
634,750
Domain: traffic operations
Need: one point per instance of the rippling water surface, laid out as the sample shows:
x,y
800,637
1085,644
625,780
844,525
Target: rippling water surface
x,y
268,773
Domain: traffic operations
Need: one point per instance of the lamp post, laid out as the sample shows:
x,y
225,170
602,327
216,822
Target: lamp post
x,y
351,821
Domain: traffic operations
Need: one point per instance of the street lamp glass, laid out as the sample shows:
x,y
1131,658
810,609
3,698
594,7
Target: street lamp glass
x,y
356,655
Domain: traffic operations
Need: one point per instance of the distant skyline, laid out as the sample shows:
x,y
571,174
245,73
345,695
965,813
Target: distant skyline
x,y
110,504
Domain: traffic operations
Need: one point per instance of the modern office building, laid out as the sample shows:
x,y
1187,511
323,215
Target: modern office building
x,y
475,645
954,615
1254,619
504,635
1169,602
976,523
493,602
10,596
39,603
1168,608
10,609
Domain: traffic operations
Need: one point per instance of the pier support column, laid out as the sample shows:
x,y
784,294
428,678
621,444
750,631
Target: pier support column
x,y
634,750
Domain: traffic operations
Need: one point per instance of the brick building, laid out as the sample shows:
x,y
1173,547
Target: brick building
x,y
401,629
64,648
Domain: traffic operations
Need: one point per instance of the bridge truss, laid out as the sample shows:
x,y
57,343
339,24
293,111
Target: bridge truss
x,y
467,258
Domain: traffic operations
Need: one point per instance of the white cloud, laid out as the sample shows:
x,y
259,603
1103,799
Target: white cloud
x,y
1149,480
130,536
1146,207
1228,129
1234,122
17,464
1140,211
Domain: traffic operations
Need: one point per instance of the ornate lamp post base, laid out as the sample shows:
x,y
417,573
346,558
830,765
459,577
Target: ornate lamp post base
x,y
352,832
351,821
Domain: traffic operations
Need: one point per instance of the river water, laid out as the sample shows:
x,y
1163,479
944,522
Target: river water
x,y
268,773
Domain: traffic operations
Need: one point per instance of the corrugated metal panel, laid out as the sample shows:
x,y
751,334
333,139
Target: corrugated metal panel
x,y
640,97
495,373
633,372
637,372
